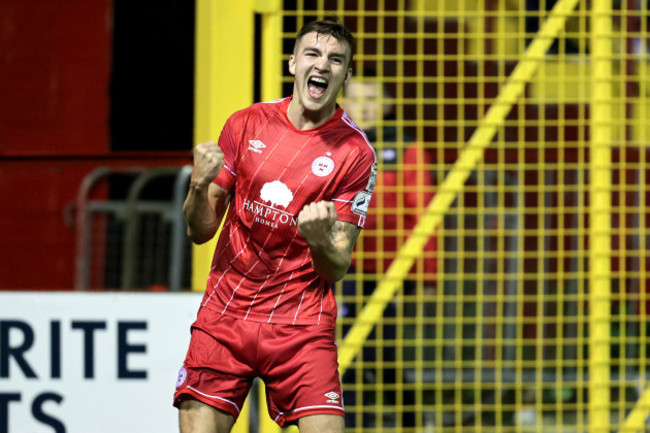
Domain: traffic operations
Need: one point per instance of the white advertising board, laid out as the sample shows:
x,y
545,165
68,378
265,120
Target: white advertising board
x,y
92,362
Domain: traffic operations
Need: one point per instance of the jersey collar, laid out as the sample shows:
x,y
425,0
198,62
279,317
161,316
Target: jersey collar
x,y
284,106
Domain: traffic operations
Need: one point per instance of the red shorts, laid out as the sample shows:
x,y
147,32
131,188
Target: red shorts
x,y
298,365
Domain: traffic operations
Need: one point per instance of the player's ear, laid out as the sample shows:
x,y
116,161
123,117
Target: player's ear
x,y
292,65
348,76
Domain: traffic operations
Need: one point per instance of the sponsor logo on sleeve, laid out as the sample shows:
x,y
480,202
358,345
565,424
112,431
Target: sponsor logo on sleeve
x,y
361,202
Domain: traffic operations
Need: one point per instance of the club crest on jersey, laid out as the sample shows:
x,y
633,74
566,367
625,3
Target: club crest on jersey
x,y
272,196
256,146
322,166
361,202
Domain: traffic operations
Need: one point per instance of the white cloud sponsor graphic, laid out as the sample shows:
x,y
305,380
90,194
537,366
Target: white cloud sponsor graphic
x,y
277,194
361,202
322,166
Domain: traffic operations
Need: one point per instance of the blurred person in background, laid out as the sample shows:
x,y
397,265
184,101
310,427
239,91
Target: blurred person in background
x,y
404,188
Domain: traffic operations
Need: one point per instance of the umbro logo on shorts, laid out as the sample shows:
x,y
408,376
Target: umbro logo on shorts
x,y
256,146
332,397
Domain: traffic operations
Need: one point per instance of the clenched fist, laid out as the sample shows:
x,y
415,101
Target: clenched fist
x,y
208,161
315,222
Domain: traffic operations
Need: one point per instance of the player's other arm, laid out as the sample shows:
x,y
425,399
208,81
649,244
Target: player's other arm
x,y
206,202
330,241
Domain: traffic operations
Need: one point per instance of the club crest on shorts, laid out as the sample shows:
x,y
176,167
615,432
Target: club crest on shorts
x,y
182,377
322,166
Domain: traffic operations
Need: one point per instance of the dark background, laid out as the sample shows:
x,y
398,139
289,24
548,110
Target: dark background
x,y
83,84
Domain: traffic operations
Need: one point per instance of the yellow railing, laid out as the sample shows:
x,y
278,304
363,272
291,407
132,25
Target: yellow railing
x,y
600,233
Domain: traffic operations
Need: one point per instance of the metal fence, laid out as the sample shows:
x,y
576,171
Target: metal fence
x,y
131,231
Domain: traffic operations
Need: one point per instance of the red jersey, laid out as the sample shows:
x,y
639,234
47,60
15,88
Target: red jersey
x,y
262,268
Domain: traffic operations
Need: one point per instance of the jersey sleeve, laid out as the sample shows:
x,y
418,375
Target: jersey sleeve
x,y
354,194
228,143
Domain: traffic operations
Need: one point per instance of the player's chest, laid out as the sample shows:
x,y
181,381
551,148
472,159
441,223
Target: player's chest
x,y
299,161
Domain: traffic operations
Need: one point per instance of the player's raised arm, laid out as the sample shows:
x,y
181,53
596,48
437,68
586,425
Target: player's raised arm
x,y
206,202
330,241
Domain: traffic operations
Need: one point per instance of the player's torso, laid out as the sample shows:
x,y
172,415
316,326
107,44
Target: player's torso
x,y
279,171
262,266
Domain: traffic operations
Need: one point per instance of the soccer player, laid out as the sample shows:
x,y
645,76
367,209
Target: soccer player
x,y
298,176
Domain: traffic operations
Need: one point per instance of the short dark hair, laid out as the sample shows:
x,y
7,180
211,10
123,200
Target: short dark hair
x,y
329,26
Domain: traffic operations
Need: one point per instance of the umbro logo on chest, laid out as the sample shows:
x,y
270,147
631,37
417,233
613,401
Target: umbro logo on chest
x,y
256,146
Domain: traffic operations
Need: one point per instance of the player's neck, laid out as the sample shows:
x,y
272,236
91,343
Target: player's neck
x,y
303,119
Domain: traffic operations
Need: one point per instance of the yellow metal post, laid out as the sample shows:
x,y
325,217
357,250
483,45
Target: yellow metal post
x,y
600,233
271,79
223,84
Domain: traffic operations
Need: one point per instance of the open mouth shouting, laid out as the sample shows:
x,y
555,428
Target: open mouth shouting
x,y
317,86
